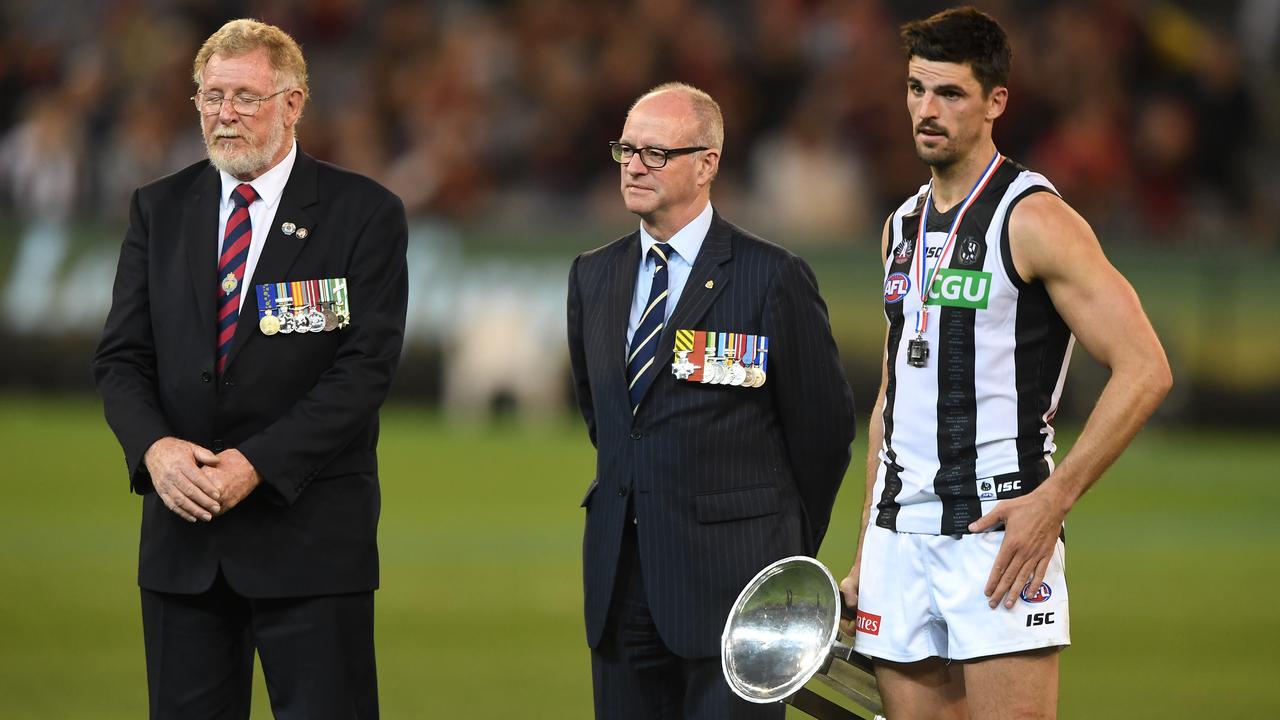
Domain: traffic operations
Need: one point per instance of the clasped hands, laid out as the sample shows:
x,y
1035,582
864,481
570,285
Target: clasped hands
x,y
197,484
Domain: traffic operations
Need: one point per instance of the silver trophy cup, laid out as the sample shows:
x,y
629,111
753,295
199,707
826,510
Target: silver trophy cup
x,y
783,631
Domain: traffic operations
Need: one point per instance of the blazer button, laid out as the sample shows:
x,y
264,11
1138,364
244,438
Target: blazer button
x,y
636,434
624,490
218,446
206,376
228,383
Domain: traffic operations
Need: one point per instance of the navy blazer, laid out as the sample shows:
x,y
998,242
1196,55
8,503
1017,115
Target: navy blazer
x,y
724,480
303,407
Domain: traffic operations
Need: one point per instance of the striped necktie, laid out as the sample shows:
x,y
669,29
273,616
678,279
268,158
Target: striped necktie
x,y
231,263
644,344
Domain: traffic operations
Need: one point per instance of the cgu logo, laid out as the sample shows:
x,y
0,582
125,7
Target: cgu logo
x,y
868,623
896,287
961,288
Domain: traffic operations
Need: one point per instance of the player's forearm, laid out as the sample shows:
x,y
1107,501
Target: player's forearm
x,y
1127,401
875,438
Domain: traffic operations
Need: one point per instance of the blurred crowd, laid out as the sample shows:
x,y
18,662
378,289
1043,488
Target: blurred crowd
x,y
1156,120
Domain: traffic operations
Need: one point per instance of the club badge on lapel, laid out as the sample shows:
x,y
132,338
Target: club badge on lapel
x,y
721,358
303,306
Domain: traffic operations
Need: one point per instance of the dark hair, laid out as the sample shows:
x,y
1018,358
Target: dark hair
x,y
962,35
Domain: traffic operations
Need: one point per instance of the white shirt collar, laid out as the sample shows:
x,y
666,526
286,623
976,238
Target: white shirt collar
x,y
687,241
269,185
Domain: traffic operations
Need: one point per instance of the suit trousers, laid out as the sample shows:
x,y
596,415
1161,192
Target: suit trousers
x,y
637,677
317,655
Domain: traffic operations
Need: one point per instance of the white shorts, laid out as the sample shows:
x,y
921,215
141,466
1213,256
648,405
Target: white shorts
x,y
920,596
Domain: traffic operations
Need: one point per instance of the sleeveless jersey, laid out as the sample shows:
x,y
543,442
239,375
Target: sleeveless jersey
x,y
972,426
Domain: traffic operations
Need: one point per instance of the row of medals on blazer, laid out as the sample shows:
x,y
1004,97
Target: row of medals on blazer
x,y
719,370
307,318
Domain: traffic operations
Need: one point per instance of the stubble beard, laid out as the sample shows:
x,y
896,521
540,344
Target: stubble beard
x,y
252,159
937,158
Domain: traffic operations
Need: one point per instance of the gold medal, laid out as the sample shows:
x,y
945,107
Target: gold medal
x,y
269,324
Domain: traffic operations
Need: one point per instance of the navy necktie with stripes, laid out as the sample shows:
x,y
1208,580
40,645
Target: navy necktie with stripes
x,y
231,264
644,344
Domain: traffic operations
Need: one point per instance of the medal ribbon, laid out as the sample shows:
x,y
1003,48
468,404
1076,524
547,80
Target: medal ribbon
x,y
741,348
295,289
749,355
762,347
922,242
266,299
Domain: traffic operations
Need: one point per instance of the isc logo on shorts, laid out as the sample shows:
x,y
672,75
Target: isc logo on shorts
x,y
868,623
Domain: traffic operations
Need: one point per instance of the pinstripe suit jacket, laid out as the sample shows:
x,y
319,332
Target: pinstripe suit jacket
x,y
723,479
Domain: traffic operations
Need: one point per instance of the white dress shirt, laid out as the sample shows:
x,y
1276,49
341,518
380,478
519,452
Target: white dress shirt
x,y
269,186
687,242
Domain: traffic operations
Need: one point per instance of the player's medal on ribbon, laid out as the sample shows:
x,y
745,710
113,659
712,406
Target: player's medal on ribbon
x,y
314,316
918,351
268,323
230,283
918,348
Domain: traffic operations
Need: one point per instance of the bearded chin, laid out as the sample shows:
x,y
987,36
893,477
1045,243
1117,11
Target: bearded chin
x,y
249,160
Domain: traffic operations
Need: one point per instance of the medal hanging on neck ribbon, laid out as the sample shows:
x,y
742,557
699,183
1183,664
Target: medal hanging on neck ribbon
x,y
918,348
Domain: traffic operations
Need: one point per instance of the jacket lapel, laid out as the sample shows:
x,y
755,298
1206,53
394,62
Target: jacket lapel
x,y
707,279
279,251
621,290
200,235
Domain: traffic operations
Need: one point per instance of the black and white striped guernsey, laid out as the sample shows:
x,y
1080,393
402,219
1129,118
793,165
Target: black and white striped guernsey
x,y
974,425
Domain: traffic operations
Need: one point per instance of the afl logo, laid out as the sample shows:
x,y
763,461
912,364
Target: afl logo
x,y
1044,593
896,287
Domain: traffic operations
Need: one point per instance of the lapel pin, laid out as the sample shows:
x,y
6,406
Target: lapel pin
x,y
302,233
288,228
710,284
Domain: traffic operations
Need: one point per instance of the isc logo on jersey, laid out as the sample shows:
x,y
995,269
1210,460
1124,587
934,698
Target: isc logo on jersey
x,y
896,287
958,288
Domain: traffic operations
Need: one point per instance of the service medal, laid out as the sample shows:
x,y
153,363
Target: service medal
x,y
269,324
316,320
737,374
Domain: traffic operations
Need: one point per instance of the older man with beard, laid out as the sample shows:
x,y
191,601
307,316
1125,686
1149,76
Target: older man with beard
x,y
255,325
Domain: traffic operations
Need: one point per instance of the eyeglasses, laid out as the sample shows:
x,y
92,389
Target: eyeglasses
x,y
652,157
246,105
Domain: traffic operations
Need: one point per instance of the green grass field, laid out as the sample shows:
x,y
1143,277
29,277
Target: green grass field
x,y
1172,563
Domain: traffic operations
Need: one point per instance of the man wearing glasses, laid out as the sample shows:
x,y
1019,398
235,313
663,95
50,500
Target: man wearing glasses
x,y
705,369
255,324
